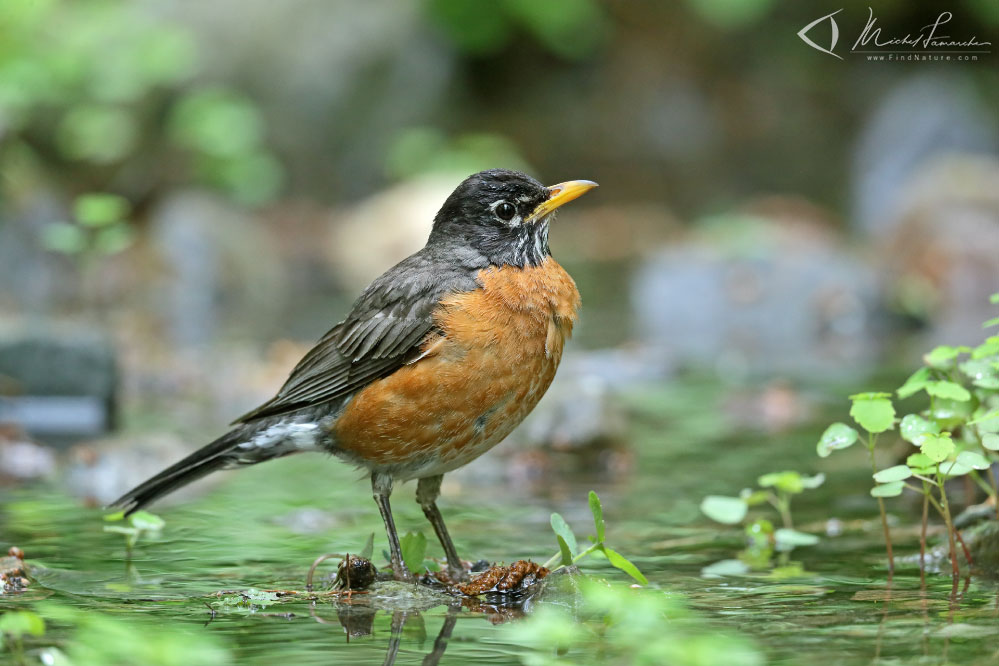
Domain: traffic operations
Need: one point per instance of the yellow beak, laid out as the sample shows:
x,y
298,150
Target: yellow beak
x,y
561,194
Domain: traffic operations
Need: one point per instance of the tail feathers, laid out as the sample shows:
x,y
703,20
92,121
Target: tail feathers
x,y
200,463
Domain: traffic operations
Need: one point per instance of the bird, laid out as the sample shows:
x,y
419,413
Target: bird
x,y
437,361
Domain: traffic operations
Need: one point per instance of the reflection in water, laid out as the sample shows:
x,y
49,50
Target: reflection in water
x,y
358,621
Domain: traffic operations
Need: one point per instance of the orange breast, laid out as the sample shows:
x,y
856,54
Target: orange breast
x,y
500,348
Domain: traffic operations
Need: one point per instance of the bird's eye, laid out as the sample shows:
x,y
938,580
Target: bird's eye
x,y
505,211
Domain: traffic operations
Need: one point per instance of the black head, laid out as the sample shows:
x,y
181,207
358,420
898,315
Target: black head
x,y
504,215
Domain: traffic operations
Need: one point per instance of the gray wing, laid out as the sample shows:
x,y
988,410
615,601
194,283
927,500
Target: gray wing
x,y
383,332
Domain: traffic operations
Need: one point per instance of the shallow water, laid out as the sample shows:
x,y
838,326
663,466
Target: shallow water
x,y
261,528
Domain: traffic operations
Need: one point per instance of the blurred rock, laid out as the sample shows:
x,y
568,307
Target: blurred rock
x,y
941,262
214,259
100,471
58,385
896,142
773,294
385,228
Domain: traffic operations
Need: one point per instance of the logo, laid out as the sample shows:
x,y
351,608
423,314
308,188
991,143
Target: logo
x,y
835,34
929,43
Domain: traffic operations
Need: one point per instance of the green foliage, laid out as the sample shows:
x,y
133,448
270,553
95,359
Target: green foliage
x,y
422,150
837,436
100,638
570,554
570,29
776,489
89,87
100,228
138,524
15,625
620,625
955,434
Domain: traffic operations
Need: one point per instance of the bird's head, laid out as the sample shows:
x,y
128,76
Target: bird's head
x,y
504,215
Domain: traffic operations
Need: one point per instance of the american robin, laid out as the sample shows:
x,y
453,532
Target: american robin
x,y
438,360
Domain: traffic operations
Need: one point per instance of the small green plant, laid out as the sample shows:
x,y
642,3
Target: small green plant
x,y
570,554
14,626
614,624
956,435
763,540
139,524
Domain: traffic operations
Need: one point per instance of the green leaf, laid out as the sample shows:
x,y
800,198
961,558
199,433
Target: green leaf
x,y
598,516
112,517
914,427
896,473
948,391
812,482
994,298
414,547
753,497
725,510
620,562
990,440
987,421
873,411
63,237
787,481
937,447
725,568
100,209
942,357
563,530
982,372
915,383
919,460
369,547
143,520
20,623
991,322
973,459
564,551
893,489
787,538
836,436
953,468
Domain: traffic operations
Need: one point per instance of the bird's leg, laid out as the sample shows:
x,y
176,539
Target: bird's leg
x,y
427,491
381,488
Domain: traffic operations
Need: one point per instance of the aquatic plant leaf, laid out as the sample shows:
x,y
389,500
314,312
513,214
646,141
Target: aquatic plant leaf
x,y
986,422
621,562
598,516
98,209
918,460
896,473
21,623
915,383
725,568
414,547
564,550
836,436
954,468
146,521
948,390
873,411
753,497
982,372
942,357
991,322
787,538
563,530
725,510
893,489
973,459
812,482
913,427
937,447
990,440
